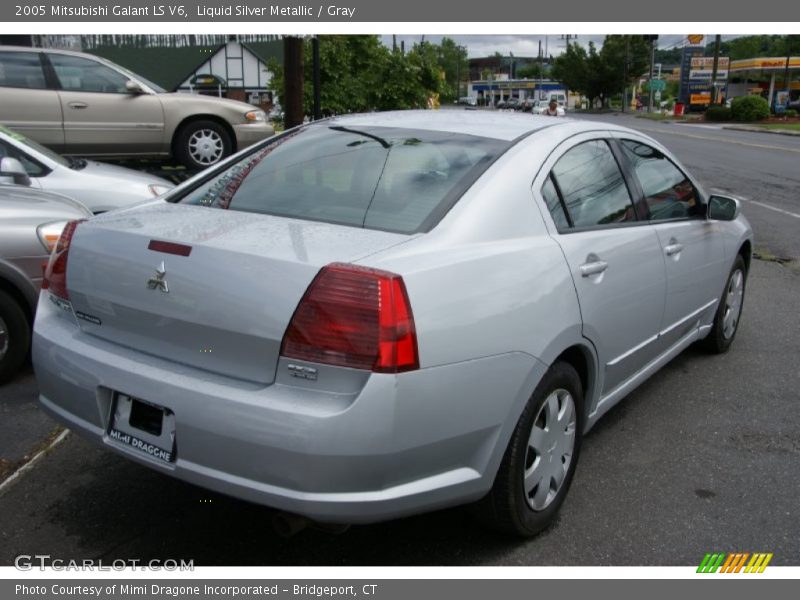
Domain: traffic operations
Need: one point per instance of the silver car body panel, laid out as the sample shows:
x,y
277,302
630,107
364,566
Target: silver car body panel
x,y
495,299
22,210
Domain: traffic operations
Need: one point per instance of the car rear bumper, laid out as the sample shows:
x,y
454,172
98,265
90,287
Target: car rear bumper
x,y
250,133
402,444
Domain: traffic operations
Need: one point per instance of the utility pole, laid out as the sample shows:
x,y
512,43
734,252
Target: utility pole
x,y
625,75
541,70
653,39
293,80
316,78
714,92
788,59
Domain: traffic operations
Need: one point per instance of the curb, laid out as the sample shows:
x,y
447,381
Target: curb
x,y
760,130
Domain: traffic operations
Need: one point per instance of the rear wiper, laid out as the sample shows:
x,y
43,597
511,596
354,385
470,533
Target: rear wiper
x,y
378,139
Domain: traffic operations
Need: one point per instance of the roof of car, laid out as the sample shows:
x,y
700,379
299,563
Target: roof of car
x,y
481,123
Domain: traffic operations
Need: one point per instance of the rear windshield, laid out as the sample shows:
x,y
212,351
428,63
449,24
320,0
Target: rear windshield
x,y
399,180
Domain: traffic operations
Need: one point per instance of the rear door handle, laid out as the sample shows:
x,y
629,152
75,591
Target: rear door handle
x,y
593,268
78,105
673,248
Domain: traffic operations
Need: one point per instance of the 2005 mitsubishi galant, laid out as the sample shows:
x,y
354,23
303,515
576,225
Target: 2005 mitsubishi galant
x,y
377,315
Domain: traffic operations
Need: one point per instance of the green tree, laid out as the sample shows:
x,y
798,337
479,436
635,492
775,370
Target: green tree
x,y
572,68
624,59
531,71
453,61
359,74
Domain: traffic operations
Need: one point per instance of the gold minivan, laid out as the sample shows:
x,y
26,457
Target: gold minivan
x,y
79,104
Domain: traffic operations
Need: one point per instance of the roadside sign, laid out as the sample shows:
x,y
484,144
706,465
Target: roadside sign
x,y
657,95
658,85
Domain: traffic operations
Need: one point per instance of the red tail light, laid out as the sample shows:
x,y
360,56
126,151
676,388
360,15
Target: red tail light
x,y
55,276
356,317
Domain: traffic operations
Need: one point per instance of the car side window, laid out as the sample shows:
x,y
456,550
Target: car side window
x,y
21,70
668,193
554,204
592,187
78,74
33,168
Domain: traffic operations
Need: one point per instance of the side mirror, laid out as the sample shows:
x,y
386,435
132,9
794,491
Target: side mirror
x,y
133,87
723,208
12,169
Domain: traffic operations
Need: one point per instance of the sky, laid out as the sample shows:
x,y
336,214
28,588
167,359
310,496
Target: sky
x,y
525,45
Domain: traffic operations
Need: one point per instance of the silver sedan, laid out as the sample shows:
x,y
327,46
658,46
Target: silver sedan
x,y
101,187
31,222
377,315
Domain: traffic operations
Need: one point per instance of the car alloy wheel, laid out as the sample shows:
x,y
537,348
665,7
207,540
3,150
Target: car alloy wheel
x,y
539,463
206,146
729,310
733,303
550,447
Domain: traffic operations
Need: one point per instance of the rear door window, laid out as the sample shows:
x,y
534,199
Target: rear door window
x,y
390,179
592,187
78,74
21,70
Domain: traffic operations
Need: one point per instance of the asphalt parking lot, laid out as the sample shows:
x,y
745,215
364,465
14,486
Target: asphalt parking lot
x,y
704,456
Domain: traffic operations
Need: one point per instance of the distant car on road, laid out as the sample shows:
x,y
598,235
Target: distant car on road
x,y
99,186
377,315
31,222
83,105
468,100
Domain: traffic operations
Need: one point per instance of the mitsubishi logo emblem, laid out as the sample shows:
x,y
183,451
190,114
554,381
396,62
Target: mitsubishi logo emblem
x,y
158,282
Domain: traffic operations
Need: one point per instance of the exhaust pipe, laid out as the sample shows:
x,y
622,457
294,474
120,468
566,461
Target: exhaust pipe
x,y
287,525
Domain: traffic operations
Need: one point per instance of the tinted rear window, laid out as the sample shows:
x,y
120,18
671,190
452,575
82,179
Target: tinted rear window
x,y
398,180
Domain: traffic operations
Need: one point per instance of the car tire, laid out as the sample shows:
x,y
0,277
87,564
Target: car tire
x,y
15,336
201,144
729,310
524,509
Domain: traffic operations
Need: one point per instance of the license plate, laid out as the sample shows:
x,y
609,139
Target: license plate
x,y
143,427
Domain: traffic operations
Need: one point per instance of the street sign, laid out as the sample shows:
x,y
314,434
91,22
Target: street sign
x,y
658,85
657,95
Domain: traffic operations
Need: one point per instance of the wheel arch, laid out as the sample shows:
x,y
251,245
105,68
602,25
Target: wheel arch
x,y
582,358
746,252
20,288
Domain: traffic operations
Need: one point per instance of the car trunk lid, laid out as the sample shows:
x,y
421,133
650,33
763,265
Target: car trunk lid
x,y
224,307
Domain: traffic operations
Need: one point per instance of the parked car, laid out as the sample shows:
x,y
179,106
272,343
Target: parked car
x,y
79,104
31,222
535,106
468,100
99,186
378,315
